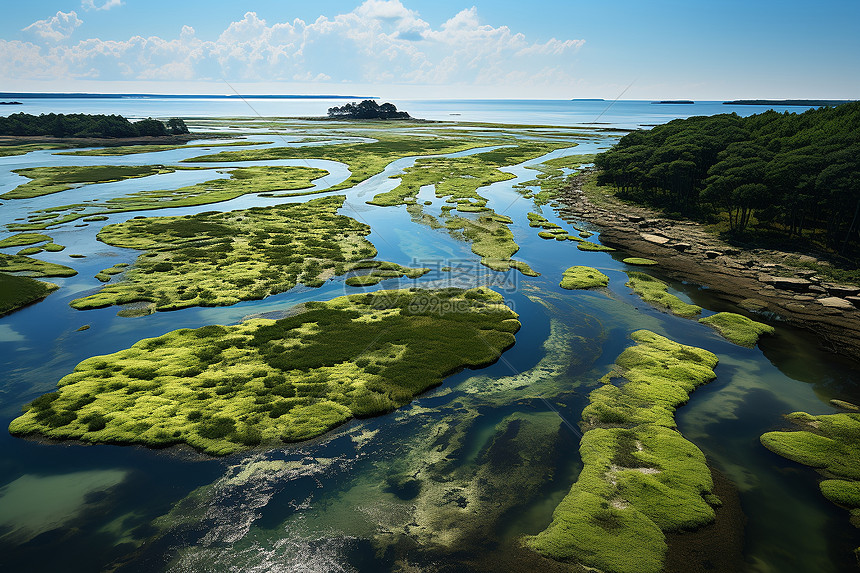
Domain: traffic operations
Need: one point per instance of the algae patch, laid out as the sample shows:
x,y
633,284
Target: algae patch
x,y
831,445
219,259
640,478
221,389
655,291
579,277
736,328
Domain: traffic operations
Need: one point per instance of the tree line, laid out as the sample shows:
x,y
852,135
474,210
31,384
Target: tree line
x,y
85,125
368,109
792,174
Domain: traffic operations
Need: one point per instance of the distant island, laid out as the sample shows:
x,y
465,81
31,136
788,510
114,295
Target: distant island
x,y
10,103
30,95
674,101
80,125
368,109
588,99
798,102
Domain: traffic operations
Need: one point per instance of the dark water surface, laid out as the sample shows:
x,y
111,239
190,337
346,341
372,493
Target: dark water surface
x,y
388,492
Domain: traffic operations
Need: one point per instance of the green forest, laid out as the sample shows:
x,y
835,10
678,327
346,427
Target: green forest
x,y
86,125
777,175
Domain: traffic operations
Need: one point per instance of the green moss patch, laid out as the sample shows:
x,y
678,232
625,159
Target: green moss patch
x,y
736,328
638,261
16,292
655,291
582,278
47,180
597,247
24,148
640,477
24,239
219,259
33,267
221,389
30,251
830,444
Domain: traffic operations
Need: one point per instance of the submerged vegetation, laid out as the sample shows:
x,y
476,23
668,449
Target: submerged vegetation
x,y
221,389
737,328
830,444
655,291
640,477
16,292
219,259
583,278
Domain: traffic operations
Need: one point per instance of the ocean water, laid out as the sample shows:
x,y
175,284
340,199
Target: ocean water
x,y
324,505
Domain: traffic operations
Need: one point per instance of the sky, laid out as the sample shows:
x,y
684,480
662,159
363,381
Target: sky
x,y
417,49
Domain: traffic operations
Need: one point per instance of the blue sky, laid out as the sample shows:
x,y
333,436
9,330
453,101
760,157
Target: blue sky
x,y
442,48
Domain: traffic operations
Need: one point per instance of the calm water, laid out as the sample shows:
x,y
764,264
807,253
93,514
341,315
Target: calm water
x,y
329,505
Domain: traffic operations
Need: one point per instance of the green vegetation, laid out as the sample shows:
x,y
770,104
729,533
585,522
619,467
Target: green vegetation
x,y
24,148
53,247
367,109
106,274
47,180
30,251
363,159
640,477
582,278
33,267
551,178
736,328
655,291
84,125
219,259
586,246
16,292
222,389
382,271
638,261
121,150
780,174
242,181
23,239
830,444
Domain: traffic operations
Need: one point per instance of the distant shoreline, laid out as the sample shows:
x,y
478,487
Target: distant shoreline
x,y
797,102
36,95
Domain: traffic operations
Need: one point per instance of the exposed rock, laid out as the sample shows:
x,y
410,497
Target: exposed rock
x,y
817,289
841,290
753,304
790,283
681,246
713,254
855,300
635,218
656,239
836,302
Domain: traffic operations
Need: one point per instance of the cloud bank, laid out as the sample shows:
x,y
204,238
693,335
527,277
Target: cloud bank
x,y
381,41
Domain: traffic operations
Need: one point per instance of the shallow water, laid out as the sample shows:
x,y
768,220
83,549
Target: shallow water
x,y
329,504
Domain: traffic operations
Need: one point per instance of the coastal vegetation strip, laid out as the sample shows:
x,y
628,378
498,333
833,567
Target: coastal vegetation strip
x,y
23,240
47,180
831,445
242,181
16,292
641,478
553,176
219,259
121,150
579,277
33,267
222,389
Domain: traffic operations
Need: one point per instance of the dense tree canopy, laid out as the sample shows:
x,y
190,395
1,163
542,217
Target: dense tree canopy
x,y
85,125
368,109
785,171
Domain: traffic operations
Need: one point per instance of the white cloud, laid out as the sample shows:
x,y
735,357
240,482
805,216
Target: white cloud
x,y
56,28
381,41
108,4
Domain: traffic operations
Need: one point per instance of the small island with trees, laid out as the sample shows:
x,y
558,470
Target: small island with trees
x,y
367,109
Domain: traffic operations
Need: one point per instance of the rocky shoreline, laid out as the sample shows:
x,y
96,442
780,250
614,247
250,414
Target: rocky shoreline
x,y
754,279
